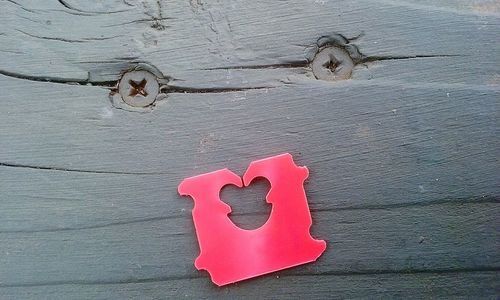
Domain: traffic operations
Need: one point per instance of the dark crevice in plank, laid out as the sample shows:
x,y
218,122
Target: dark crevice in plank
x,y
287,65
128,4
138,21
69,81
63,3
475,200
305,63
39,197
70,7
189,90
379,58
112,84
22,7
11,165
70,12
83,40
131,59
96,226
203,275
100,282
456,202
403,271
446,201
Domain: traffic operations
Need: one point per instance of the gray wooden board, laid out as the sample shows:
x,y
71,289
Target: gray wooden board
x,y
403,157
379,286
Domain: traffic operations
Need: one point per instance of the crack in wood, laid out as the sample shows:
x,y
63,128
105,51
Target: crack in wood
x,y
287,65
104,225
389,57
305,63
453,201
111,84
20,6
139,21
84,40
11,165
189,90
69,81
70,7
446,201
199,275
402,271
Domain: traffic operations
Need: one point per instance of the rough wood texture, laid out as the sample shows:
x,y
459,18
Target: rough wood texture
x,y
403,156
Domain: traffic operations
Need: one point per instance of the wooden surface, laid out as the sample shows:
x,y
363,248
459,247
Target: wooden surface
x,y
404,182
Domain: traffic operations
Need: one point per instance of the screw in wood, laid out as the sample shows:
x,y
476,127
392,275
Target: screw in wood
x,y
138,88
332,63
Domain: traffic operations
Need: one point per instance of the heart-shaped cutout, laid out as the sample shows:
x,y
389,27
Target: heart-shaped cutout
x,y
249,207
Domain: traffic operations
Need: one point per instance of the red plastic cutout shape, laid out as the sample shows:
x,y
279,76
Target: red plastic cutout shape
x,y
230,253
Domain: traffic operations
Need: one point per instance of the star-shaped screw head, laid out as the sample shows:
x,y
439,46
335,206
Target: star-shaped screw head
x,y
138,88
332,63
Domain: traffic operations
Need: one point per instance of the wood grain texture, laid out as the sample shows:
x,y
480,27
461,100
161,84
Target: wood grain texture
x,y
417,286
403,157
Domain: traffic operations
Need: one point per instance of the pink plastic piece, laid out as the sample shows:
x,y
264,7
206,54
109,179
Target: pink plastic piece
x,y
230,253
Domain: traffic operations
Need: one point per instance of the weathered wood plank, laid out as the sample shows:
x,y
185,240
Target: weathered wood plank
x,y
441,238
380,286
366,143
183,36
403,157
